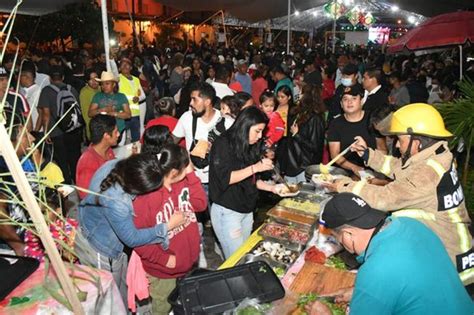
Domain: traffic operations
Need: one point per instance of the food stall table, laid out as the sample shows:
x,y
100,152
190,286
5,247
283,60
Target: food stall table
x,y
243,249
33,296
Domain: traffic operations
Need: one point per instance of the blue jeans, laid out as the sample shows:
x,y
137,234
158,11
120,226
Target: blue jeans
x,y
134,125
232,228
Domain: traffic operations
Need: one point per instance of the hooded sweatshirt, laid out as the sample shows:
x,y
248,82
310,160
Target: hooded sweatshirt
x,y
187,196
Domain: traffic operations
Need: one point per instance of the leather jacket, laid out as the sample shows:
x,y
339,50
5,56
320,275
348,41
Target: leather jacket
x,y
295,153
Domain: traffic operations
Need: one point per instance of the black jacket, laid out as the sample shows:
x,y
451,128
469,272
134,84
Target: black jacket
x,y
296,153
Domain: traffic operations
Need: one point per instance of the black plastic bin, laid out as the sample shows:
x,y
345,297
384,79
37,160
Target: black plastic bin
x,y
218,291
174,297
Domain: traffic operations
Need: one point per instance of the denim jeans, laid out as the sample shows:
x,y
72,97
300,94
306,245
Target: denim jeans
x,y
232,228
134,125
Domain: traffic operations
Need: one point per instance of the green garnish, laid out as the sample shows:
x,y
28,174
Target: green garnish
x,y
335,309
279,271
306,298
336,262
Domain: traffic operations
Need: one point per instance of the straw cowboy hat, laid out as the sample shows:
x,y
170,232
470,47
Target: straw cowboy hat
x,y
106,76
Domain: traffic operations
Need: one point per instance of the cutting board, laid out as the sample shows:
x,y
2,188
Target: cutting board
x,y
321,279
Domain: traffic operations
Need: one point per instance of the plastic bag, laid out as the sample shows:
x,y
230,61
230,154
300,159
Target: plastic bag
x,y
250,307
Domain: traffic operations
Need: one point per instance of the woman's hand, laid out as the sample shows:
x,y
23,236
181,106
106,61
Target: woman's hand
x,y
263,165
176,220
294,129
360,146
171,262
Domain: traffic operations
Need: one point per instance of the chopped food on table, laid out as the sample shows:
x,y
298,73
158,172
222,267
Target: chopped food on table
x,y
276,251
315,255
305,206
285,233
336,262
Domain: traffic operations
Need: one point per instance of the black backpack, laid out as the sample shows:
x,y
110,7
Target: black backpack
x,y
68,109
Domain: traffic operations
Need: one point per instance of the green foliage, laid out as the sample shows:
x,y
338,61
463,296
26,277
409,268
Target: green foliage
x,y
82,21
459,119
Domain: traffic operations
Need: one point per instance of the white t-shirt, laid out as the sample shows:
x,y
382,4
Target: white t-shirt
x,y
184,129
222,89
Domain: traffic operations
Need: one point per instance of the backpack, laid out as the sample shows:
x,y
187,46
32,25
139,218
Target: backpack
x,y
68,108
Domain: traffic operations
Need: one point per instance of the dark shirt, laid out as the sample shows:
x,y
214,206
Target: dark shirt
x,y
240,197
418,92
376,101
314,78
342,131
48,99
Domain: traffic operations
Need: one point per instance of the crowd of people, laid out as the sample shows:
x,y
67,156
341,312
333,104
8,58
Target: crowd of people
x,y
214,124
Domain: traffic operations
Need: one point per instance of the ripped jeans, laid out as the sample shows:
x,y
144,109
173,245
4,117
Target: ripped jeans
x,y
232,228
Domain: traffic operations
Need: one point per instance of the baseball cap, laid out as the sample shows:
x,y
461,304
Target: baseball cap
x,y
354,90
350,69
3,72
350,209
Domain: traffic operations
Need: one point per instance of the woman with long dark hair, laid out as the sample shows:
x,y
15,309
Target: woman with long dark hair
x,y
305,145
285,104
106,216
236,160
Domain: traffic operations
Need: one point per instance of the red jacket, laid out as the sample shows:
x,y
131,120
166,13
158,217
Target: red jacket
x,y
329,88
275,129
156,207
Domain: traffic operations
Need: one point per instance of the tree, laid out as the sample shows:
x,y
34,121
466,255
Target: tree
x,y
81,21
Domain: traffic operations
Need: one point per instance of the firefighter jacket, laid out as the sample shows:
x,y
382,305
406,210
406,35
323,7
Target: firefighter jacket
x,y
426,188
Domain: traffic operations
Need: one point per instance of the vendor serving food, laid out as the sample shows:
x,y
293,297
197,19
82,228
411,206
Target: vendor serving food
x,y
398,275
425,187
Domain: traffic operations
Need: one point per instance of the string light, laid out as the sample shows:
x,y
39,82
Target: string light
x,y
315,13
394,8
411,19
297,12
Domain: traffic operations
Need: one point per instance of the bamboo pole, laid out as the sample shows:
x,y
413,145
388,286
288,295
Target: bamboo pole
x,y
34,210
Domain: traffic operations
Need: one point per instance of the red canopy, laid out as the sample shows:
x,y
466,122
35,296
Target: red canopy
x,y
448,29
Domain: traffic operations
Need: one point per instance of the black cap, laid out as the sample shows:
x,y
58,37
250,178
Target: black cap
x,y
350,209
354,90
350,69
56,71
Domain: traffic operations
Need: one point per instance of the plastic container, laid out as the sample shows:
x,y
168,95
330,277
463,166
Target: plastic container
x,y
291,237
306,206
174,298
291,217
222,290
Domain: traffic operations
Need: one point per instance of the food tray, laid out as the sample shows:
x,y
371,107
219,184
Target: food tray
x,y
309,207
291,237
291,217
222,290
279,265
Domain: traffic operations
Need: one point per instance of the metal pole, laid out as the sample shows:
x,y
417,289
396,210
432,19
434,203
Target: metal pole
x,y
223,26
460,62
288,36
334,35
105,30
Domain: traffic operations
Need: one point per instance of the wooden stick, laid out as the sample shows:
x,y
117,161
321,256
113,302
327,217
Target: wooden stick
x,y
34,210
